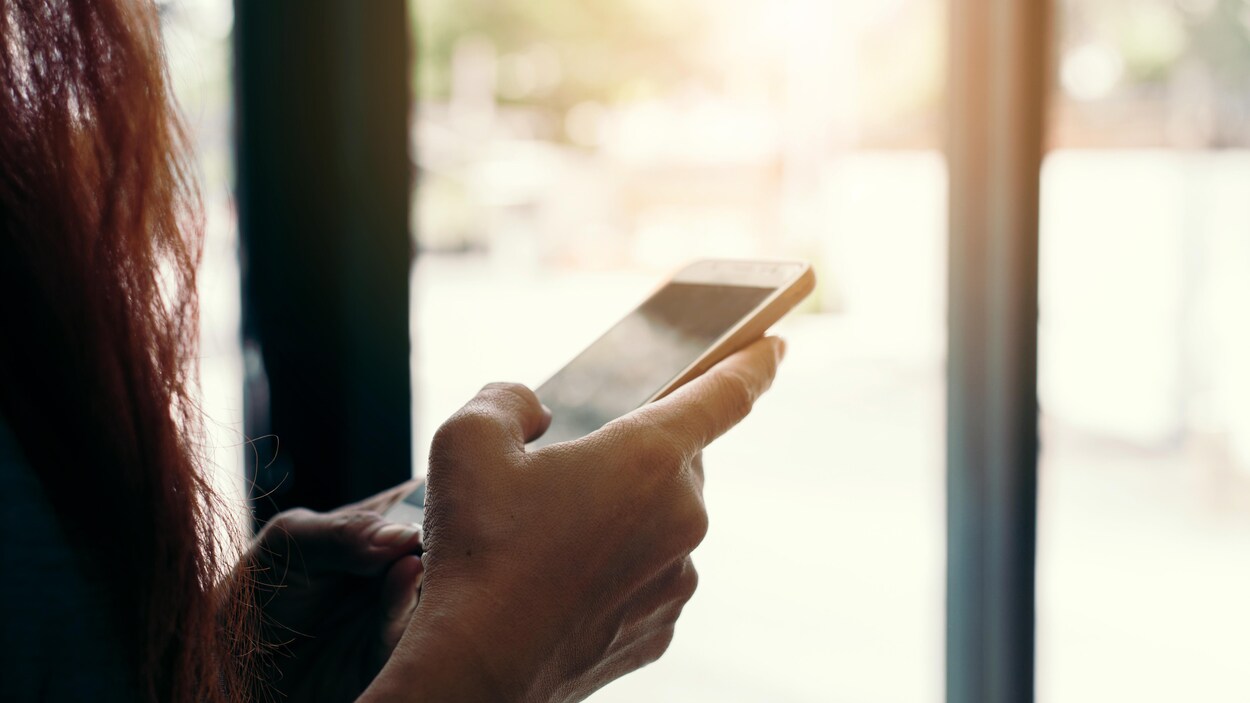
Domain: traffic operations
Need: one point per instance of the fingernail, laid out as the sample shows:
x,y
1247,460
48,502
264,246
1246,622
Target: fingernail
x,y
781,348
546,410
395,533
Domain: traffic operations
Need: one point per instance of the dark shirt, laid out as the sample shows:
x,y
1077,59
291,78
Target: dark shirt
x,y
57,643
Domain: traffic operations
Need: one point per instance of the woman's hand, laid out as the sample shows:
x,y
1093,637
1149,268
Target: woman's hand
x,y
549,574
335,591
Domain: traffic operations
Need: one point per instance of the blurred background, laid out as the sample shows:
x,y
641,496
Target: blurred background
x,y
568,154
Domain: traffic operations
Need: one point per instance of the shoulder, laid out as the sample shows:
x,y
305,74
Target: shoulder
x,y
55,642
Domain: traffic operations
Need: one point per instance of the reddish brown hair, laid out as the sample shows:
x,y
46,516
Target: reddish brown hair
x,y
100,233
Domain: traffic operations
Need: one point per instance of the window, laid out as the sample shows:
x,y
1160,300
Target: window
x,y
197,44
1145,356
573,153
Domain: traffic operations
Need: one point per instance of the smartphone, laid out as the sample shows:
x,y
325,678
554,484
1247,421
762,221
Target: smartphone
x,y
705,312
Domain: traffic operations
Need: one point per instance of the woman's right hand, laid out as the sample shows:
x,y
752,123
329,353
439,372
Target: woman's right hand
x,y
549,574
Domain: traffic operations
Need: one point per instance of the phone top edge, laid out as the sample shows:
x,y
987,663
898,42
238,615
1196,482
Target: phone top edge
x,y
782,274
741,272
788,294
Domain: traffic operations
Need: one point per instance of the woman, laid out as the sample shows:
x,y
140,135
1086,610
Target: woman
x,y
545,574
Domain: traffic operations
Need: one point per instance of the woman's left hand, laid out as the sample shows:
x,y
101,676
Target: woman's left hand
x,y
334,591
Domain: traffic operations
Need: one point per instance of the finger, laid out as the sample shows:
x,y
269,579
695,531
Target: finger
x,y
711,404
343,541
400,593
501,413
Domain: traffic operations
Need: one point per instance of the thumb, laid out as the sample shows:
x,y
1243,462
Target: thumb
x,y
507,414
343,541
400,593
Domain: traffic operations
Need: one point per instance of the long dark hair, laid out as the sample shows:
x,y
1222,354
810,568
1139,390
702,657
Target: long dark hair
x,y
100,229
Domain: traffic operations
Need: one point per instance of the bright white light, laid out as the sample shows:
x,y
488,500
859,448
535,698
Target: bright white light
x,y
1090,72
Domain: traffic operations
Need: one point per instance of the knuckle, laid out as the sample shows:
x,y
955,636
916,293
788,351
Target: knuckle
x,y
686,526
520,390
697,525
467,425
679,532
659,643
685,529
347,526
287,522
735,392
687,581
516,394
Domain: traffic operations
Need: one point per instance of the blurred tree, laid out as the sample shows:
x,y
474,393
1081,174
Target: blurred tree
x,y
606,49
1190,56
1220,41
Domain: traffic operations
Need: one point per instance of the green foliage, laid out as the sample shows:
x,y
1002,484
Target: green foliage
x,y
606,48
1221,40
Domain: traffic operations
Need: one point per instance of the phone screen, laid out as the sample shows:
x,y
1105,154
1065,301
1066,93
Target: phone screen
x,y
641,354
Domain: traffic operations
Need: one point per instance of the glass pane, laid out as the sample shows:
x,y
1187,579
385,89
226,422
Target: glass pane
x,y
1145,356
197,44
571,154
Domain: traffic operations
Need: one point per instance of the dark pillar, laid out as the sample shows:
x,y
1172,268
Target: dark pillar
x,y
322,104
998,80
